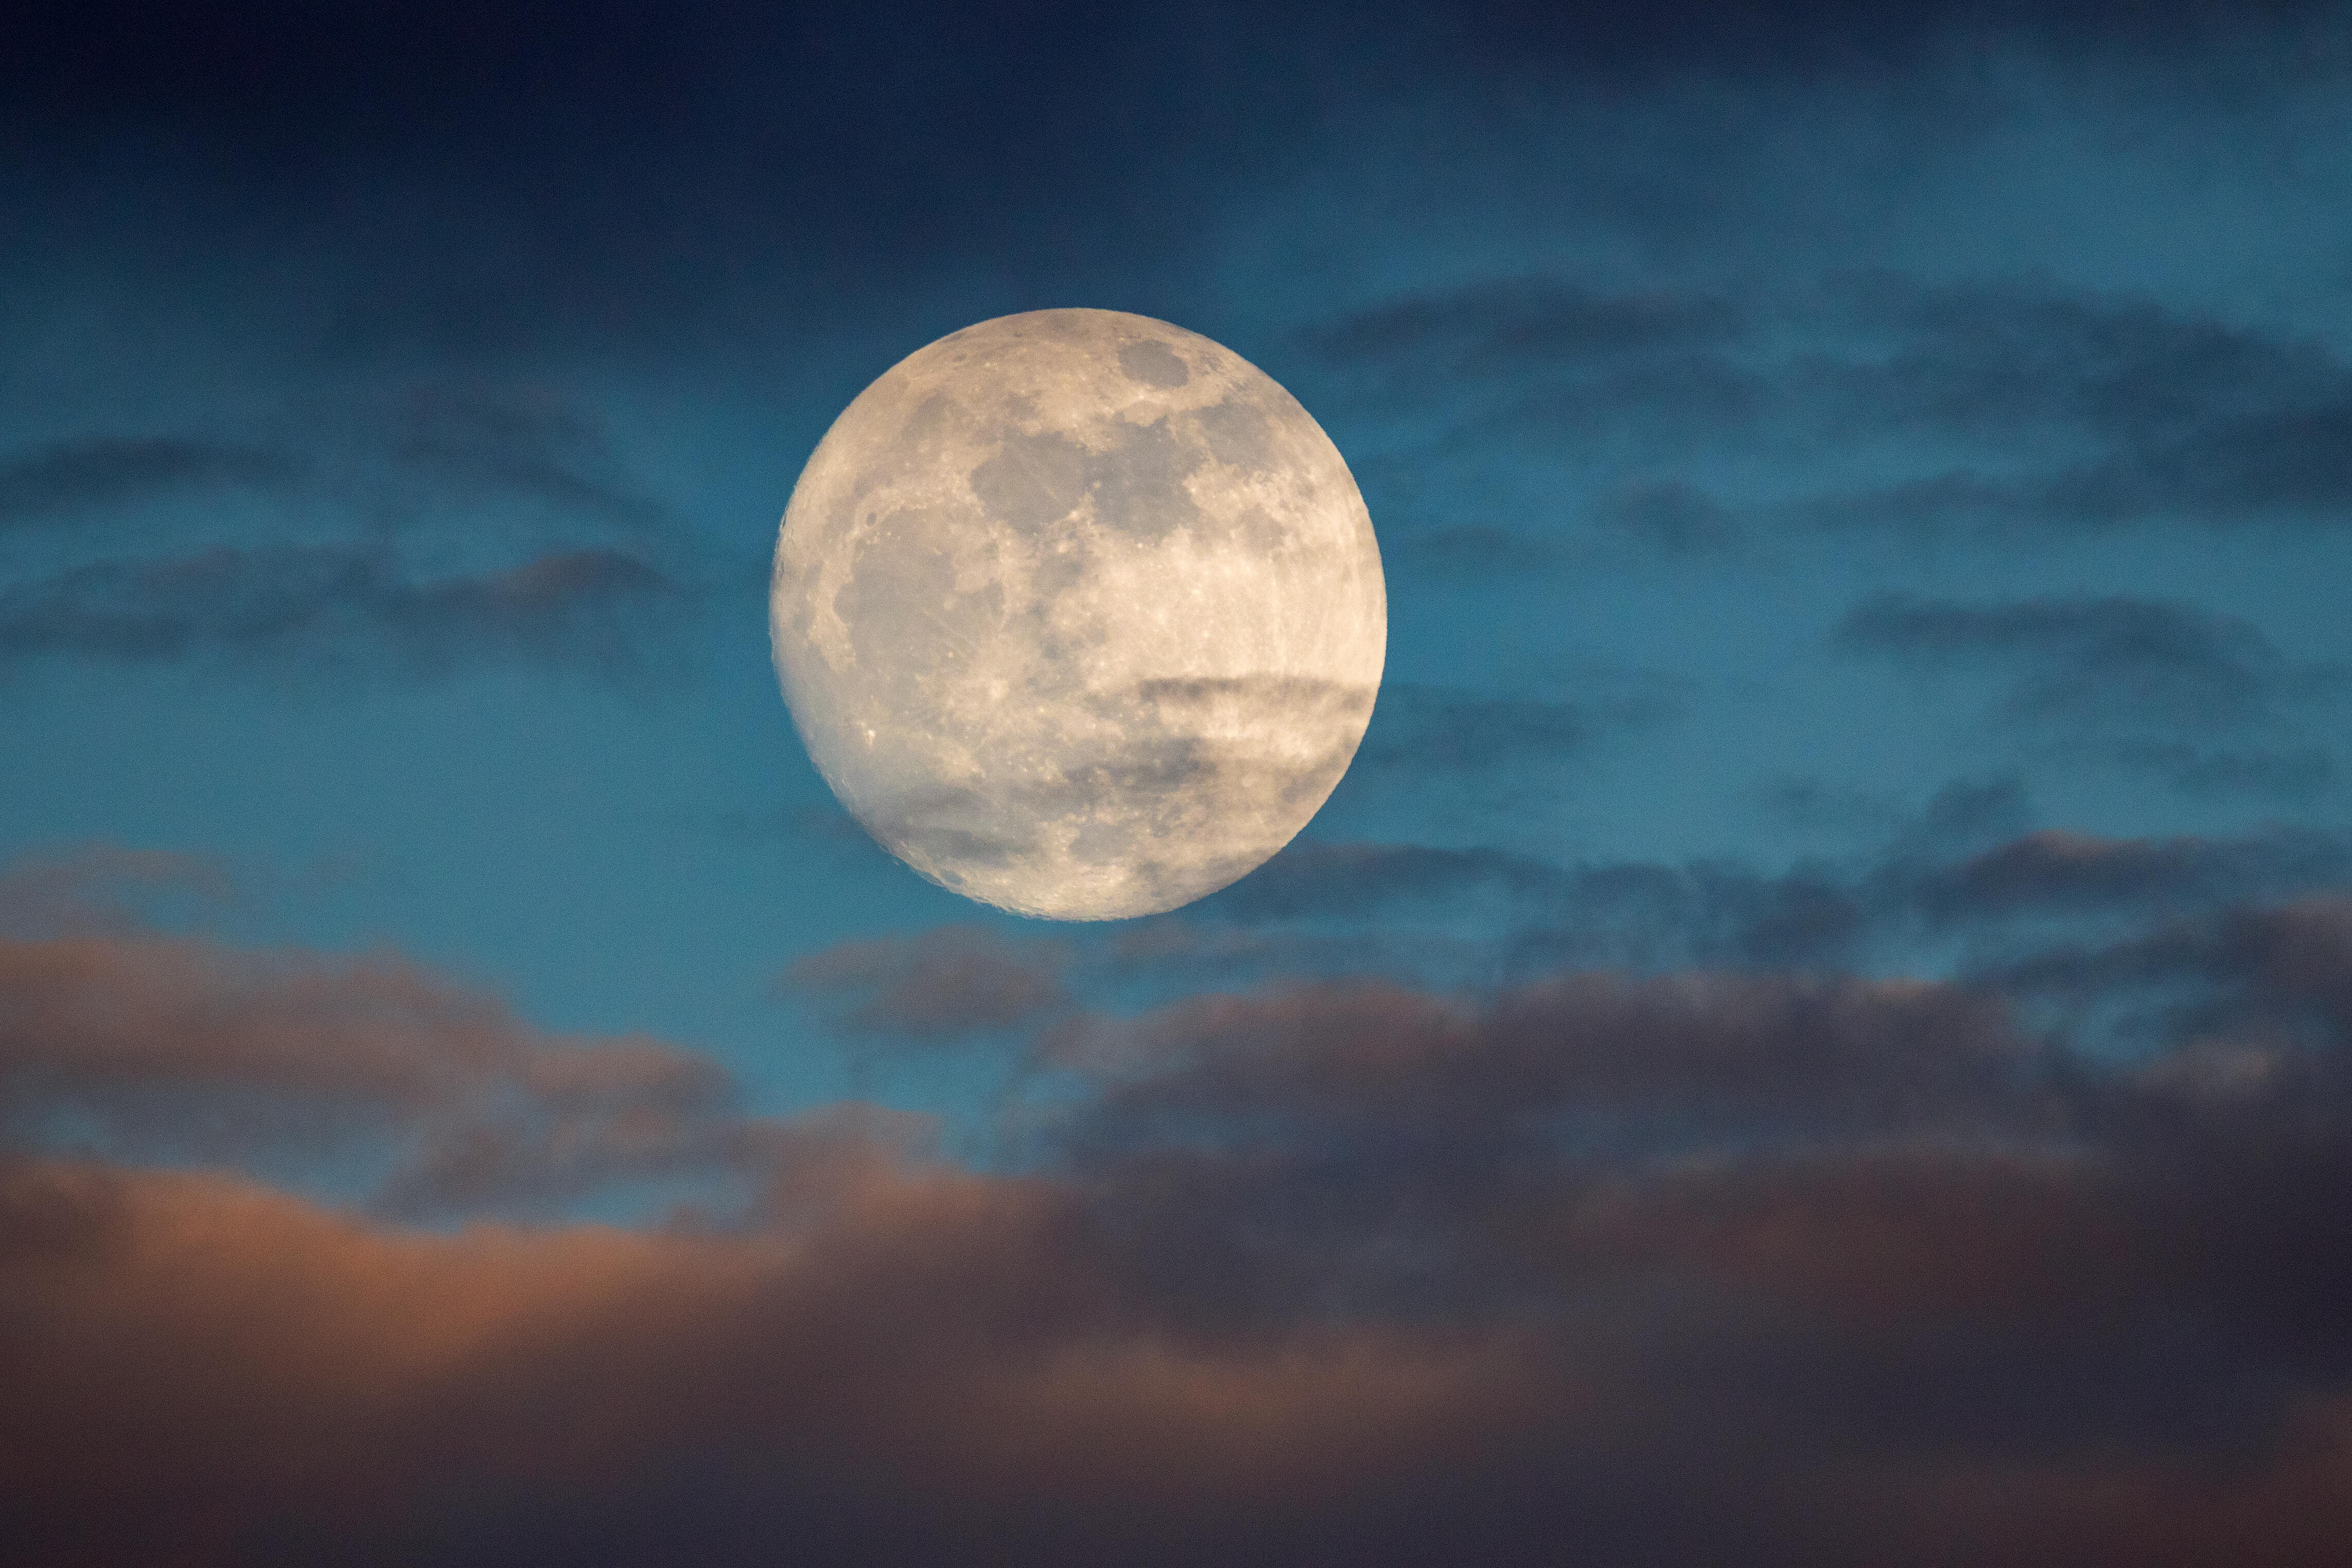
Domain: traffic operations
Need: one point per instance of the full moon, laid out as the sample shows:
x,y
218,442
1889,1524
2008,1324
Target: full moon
x,y
1079,614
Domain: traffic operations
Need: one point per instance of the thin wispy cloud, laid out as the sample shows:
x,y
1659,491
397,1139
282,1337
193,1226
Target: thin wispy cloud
x,y
2081,413
2204,700
354,606
67,480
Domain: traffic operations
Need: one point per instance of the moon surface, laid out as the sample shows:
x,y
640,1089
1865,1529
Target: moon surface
x,y
1079,614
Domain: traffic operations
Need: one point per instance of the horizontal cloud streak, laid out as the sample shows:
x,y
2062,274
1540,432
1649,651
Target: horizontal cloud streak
x,y
350,604
1440,731
2204,699
940,984
2005,409
63,481
2081,656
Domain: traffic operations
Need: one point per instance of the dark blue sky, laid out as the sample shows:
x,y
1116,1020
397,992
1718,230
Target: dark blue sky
x,y
1831,971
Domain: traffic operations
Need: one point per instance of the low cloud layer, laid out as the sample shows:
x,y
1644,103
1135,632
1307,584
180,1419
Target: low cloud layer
x,y
1321,1271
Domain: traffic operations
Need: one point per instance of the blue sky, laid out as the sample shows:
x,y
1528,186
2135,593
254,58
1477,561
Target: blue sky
x,y
1865,504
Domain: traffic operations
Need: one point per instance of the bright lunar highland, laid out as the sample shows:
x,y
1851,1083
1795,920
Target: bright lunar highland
x,y
1079,614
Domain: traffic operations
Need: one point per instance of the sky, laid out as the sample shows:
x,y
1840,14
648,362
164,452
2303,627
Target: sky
x,y
1817,1029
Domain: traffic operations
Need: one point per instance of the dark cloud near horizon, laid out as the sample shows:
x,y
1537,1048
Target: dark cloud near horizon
x,y
1967,885
1498,1275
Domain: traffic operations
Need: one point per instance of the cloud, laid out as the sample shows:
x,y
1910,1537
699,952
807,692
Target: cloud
x,y
936,1355
1994,409
1637,915
2289,770
591,574
1302,1274
2003,355
2082,655
66,479
942,984
1320,877
405,458
1671,515
182,1048
2271,973
2062,872
2093,413
459,443
354,605
2278,468
2148,684
1966,869
2193,420
1371,1064
105,889
1444,729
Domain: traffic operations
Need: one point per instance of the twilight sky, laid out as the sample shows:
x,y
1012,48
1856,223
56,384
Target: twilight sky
x,y
1817,1031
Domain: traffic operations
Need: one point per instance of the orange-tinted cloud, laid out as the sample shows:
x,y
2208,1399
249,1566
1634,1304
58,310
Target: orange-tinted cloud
x,y
180,1047
1680,1269
938,985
